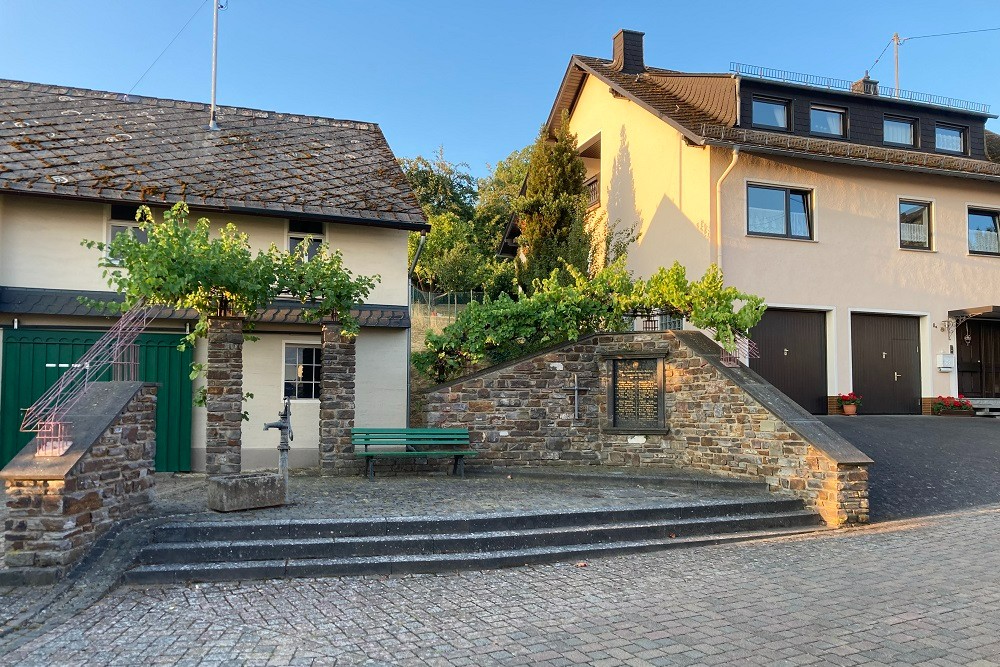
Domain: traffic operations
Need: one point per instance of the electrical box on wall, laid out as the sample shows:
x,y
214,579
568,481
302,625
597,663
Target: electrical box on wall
x,y
946,362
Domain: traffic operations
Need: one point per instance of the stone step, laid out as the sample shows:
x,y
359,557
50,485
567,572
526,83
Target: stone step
x,y
465,541
278,529
428,563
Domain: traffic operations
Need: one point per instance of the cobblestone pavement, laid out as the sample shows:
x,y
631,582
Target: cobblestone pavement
x,y
918,592
926,465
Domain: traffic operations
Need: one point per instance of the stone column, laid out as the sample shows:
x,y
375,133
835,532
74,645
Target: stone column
x,y
224,399
336,403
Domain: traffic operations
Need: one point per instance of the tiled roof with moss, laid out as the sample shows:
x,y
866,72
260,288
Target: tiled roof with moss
x,y
110,147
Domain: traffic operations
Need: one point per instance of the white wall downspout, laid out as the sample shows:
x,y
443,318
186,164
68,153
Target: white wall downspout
x,y
718,206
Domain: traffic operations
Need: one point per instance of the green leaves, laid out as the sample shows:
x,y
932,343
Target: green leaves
x,y
186,266
502,329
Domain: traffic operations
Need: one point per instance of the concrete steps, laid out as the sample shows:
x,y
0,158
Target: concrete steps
x,y
237,550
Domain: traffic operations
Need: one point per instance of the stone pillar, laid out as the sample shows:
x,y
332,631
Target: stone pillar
x,y
336,403
224,397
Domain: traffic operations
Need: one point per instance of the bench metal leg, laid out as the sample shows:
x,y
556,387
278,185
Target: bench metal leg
x,y
459,466
370,460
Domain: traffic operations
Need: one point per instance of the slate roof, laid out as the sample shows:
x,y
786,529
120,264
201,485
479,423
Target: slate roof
x,y
703,108
105,146
40,301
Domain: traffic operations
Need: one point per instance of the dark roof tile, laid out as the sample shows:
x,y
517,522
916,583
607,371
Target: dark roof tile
x,y
99,145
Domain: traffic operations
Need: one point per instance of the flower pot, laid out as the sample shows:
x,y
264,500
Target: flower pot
x,y
955,413
849,409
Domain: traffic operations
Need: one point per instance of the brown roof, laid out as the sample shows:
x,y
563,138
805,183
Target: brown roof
x,y
703,107
104,146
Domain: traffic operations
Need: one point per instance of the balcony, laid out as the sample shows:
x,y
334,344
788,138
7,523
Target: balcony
x,y
593,186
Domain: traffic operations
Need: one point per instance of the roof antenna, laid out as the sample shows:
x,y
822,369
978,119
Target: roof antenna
x,y
212,125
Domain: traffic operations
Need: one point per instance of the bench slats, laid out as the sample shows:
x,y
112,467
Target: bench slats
x,y
371,438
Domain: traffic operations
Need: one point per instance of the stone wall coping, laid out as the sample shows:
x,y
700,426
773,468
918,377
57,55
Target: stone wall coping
x,y
517,360
96,410
791,413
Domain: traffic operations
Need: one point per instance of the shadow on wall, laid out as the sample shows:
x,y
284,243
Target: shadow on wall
x,y
668,233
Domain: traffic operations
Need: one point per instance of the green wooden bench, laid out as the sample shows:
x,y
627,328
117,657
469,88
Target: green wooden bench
x,y
412,443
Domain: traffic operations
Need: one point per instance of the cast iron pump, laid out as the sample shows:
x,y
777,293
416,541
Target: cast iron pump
x,y
284,426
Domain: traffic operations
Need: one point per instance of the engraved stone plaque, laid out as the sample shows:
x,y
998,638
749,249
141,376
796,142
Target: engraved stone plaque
x,y
636,393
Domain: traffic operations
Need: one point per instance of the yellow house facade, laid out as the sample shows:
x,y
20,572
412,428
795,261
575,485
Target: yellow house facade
x,y
75,164
868,221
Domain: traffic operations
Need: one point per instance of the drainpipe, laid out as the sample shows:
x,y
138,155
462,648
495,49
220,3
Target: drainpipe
x,y
718,206
416,255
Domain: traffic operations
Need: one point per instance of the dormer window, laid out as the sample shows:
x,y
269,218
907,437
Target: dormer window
x,y
770,114
897,131
949,139
828,121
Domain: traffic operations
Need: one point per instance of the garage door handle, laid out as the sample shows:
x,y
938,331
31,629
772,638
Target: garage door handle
x,y
897,376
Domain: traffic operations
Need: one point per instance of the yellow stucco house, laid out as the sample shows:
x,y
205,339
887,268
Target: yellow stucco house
x,y
75,164
867,218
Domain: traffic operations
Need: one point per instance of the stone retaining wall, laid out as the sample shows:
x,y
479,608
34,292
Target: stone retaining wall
x,y
58,506
722,420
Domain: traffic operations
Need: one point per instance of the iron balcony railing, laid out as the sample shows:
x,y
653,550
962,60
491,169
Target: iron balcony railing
x,y
849,150
785,76
593,185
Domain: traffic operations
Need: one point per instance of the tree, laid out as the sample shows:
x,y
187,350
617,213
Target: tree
x,y
183,266
441,186
553,210
498,197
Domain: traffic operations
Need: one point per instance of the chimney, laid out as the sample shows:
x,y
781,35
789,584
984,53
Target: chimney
x,y
865,86
628,52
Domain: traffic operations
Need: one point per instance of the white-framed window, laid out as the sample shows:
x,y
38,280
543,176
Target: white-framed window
x,y
300,230
303,367
915,225
121,220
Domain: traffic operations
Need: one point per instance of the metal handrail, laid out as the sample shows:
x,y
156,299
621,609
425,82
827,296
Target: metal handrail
x,y
116,351
786,76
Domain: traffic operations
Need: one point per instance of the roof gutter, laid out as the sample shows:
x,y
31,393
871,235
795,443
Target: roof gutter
x,y
853,161
718,206
245,210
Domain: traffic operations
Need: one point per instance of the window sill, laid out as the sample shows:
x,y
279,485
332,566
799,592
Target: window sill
x,y
769,128
951,153
926,250
994,255
821,135
779,238
302,400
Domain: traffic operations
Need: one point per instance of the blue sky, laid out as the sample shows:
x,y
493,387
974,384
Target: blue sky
x,y
476,77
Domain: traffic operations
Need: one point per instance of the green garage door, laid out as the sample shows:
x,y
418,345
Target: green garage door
x,y
34,358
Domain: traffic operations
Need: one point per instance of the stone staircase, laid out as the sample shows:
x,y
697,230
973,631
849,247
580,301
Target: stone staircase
x,y
229,550
986,407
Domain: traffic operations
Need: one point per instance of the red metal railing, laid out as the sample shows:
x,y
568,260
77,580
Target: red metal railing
x,y
116,351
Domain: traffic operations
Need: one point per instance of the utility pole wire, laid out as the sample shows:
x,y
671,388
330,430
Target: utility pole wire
x,y
948,34
167,47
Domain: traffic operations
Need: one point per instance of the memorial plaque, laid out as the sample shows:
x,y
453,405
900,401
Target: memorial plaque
x,y
636,393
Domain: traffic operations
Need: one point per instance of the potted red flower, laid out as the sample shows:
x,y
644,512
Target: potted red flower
x,y
951,406
849,403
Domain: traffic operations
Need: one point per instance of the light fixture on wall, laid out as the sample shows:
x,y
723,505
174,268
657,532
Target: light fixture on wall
x,y
968,337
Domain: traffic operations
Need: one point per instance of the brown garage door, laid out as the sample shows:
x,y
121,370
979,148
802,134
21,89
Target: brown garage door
x,y
885,351
792,345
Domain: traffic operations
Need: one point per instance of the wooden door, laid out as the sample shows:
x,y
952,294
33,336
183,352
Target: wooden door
x,y
792,345
978,359
886,363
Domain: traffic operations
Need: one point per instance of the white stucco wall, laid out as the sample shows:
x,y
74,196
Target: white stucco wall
x,y
854,263
650,178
